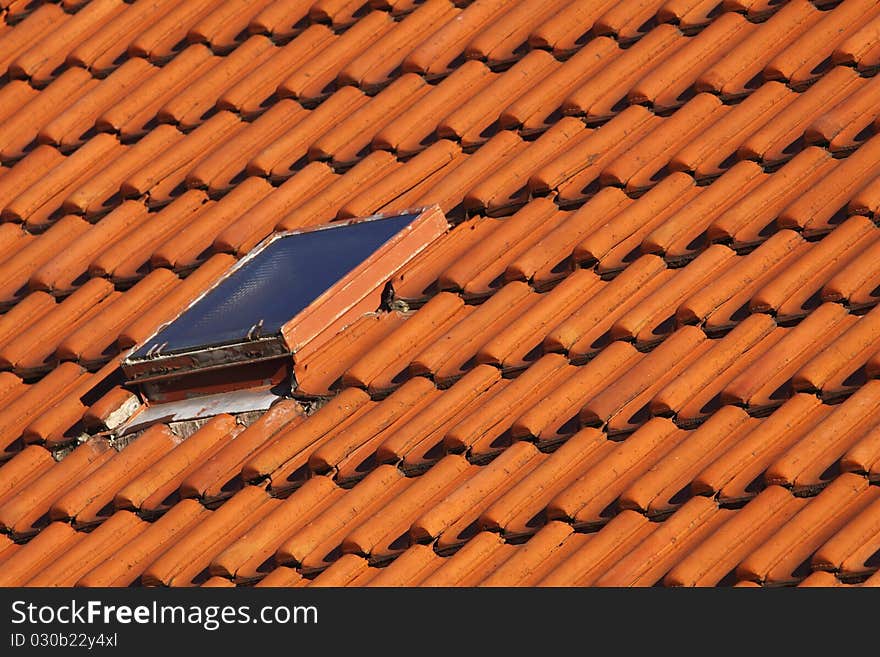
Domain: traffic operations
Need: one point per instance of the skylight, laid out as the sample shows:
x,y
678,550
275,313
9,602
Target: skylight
x,y
289,290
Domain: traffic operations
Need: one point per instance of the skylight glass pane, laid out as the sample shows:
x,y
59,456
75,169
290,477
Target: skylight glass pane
x,y
275,285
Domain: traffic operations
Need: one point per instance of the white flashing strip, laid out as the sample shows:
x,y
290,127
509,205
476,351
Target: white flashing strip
x,y
237,401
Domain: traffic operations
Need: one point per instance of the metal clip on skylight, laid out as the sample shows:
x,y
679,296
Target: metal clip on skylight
x,y
295,289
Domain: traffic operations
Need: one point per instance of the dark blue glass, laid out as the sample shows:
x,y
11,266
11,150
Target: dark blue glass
x,y
275,285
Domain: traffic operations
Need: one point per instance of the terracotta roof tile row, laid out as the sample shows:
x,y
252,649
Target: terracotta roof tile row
x,y
645,353
478,506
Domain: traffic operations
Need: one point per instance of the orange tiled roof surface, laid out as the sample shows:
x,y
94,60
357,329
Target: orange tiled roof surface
x,y
645,354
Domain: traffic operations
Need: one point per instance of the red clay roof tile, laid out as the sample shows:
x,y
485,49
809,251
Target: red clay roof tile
x,y
788,294
507,187
418,444
163,38
854,285
154,488
133,115
556,415
40,63
806,463
249,229
61,275
619,407
112,409
614,244
519,510
125,259
683,234
373,68
484,257
779,559
801,62
711,153
280,18
738,72
583,333
472,123
289,444
28,353
29,463
94,341
714,558
310,545
830,372
105,49
66,131
785,358
533,559
318,373
649,321
665,486
327,202
450,189
848,553
39,205
14,42
859,48
211,478
39,554
628,20
337,12
31,503
182,252
595,552
384,535
90,550
735,474
411,130
724,358
842,128
85,503
381,365
668,85
188,108
185,562
515,346
225,166
250,556
159,179
817,215
564,30
348,142
589,499
689,14
100,193
223,26
697,282
488,431
646,564
776,141
749,222
126,565
316,77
